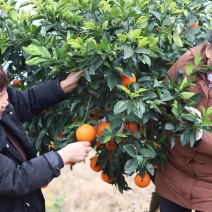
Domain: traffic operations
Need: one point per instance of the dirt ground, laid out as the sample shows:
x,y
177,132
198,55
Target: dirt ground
x,y
82,190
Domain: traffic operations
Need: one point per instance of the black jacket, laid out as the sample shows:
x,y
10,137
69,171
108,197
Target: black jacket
x,y
20,180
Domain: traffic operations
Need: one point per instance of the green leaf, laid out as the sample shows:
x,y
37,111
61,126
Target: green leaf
x,y
156,14
104,25
45,52
111,81
107,138
35,61
177,39
197,58
166,97
168,20
33,50
126,90
128,52
130,166
172,141
187,95
169,126
149,167
134,34
186,137
153,41
189,68
94,5
129,148
144,152
120,106
142,50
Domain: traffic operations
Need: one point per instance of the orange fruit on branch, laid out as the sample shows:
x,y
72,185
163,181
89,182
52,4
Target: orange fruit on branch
x,y
85,132
102,126
16,82
111,145
106,178
59,135
93,164
155,145
142,182
131,126
194,25
71,163
127,80
95,115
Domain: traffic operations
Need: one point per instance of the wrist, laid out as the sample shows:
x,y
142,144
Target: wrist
x,y
63,156
64,86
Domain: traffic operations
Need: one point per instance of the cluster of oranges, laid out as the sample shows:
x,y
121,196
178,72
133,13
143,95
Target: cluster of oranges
x,y
87,132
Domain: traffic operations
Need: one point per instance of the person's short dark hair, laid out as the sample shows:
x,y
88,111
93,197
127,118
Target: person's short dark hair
x,y
3,79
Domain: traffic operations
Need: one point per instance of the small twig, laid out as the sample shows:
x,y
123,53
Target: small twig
x,y
86,113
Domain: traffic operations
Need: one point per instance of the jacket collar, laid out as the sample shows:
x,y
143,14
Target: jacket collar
x,y
10,120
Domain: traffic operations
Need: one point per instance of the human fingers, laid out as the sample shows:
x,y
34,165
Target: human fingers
x,y
85,143
88,149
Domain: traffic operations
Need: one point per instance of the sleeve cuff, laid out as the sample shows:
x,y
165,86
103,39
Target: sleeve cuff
x,y
61,164
54,162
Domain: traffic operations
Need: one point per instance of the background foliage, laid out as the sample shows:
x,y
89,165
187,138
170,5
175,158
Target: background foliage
x,y
144,37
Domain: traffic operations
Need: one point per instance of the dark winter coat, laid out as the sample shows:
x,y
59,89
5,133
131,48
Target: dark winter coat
x,y
21,180
187,178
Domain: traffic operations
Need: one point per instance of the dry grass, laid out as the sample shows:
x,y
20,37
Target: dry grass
x,y
82,190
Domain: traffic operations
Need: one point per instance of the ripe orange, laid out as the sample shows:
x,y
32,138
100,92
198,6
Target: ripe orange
x,y
124,141
71,163
73,119
59,135
155,166
141,130
106,178
194,25
142,182
111,145
85,132
101,127
95,115
127,80
93,164
16,82
131,126
155,145
99,144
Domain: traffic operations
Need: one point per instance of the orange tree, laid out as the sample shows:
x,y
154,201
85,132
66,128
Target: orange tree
x,y
43,40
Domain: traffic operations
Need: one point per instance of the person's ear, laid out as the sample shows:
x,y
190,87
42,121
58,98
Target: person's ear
x,y
208,51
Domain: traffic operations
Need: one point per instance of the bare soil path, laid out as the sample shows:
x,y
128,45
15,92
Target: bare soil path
x,y
82,190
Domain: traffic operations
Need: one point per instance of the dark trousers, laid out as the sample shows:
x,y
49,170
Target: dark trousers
x,y
168,206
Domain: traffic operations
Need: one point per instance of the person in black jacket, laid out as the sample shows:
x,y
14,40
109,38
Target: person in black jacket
x,y
22,173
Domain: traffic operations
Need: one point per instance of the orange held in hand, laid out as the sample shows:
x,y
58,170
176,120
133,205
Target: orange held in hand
x,y
142,182
101,127
85,132
127,80
93,164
